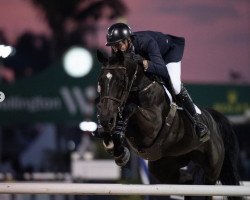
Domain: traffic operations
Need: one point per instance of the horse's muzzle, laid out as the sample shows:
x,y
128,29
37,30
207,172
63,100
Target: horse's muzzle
x,y
108,122
107,114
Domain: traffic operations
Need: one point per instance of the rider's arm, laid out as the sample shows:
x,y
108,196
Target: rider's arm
x,y
155,64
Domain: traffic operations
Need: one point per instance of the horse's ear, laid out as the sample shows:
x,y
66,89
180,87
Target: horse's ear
x,y
120,56
101,58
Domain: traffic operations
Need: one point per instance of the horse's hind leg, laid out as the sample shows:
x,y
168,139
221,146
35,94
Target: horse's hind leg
x,y
198,179
209,182
165,170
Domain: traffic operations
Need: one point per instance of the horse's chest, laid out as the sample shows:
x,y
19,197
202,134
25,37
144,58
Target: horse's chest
x,y
151,153
149,147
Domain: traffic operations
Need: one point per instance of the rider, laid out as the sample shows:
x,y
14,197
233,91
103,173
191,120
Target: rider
x,y
160,54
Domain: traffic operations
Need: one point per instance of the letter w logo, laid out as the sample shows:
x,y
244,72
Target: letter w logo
x,y
75,100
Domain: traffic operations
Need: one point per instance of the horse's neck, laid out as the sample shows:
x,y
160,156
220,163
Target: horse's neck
x,y
142,81
149,95
156,97
153,106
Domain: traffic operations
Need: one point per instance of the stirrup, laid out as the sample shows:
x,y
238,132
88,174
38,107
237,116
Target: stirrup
x,y
202,131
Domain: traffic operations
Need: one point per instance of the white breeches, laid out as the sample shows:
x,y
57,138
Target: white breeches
x,y
174,71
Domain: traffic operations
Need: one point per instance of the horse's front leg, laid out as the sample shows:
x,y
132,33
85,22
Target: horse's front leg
x,y
113,143
114,146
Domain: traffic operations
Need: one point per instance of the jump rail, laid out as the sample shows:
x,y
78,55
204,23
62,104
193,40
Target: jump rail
x,y
122,189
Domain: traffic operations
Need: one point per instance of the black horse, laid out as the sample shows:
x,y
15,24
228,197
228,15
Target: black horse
x,y
158,130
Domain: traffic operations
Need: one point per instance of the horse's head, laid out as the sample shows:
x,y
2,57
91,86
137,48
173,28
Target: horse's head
x,y
117,76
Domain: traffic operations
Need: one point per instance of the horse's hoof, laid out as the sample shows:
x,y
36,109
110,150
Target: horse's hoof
x,y
109,147
123,159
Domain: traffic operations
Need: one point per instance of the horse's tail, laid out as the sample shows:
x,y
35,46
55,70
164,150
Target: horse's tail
x,y
229,173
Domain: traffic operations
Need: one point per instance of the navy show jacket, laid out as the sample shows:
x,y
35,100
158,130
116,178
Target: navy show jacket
x,y
159,49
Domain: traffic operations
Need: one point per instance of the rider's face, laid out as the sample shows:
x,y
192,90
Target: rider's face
x,y
122,45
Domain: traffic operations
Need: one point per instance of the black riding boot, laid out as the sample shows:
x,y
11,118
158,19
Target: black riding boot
x,y
186,102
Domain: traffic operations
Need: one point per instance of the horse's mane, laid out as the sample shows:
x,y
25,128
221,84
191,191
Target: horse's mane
x,y
114,58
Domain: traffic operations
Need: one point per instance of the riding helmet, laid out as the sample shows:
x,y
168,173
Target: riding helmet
x,y
117,32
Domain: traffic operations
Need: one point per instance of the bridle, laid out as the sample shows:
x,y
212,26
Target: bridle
x,y
125,93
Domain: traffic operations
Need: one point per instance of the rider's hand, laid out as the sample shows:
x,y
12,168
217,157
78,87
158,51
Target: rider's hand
x,y
145,65
141,61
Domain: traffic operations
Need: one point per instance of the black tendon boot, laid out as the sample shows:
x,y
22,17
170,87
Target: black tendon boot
x,y
120,128
186,102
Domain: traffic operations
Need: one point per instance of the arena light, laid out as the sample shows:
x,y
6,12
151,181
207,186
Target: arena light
x,y
88,126
77,62
6,51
